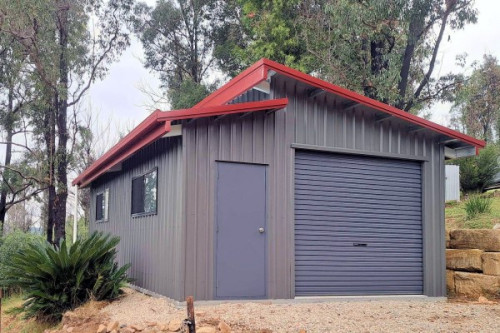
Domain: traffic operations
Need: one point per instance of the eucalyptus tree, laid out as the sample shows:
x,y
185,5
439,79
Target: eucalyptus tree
x,y
69,44
476,101
179,39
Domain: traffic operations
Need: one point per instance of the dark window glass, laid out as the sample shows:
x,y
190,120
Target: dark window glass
x,y
144,193
99,205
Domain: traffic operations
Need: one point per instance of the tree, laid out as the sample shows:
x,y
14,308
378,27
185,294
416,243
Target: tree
x,y
256,29
68,52
385,50
476,108
179,40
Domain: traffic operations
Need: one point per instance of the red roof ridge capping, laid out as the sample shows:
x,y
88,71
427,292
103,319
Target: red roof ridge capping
x,y
158,124
259,71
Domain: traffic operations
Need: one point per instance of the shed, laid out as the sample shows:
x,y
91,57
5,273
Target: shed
x,y
279,185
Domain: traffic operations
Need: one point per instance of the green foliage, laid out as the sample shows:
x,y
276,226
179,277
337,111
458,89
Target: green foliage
x,y
476,109
12,243
187,94
55,280
478,172
477,204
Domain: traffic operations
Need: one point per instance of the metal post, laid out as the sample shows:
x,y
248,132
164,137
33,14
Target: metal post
x,y
75,218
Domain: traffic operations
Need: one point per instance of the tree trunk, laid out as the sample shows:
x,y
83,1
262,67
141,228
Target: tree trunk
x,y
62,110
50,138
8,157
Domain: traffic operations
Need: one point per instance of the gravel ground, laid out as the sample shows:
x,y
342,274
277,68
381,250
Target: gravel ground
x,y
335,316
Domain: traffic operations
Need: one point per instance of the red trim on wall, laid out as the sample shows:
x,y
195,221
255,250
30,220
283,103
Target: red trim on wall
x,y
157,125
273,104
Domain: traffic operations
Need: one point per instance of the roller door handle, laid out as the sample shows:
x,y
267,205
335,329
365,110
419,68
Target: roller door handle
x,y
360,244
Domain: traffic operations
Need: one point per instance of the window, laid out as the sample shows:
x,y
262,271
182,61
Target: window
x,y
144,193
101,206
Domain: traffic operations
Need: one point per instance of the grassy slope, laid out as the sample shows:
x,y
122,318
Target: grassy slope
x,y
455,216
15,323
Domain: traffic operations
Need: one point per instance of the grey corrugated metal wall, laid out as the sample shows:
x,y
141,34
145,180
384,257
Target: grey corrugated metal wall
x,y
152,244
358,225
319,122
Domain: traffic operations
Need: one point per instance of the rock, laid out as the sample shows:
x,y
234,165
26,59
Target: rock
x,y
127,330
484,300
475,285
464,260
101,329
482,239
137,327
224,328
175,325
496,226
114,325
450,281
70,329
447,237
491,263
114,331
206,329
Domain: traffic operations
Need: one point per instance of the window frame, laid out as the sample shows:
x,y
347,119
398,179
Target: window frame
x,y
105,200
142,214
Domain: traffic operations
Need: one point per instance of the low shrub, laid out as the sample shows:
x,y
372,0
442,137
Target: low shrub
x,y
477,204
55,280
9,245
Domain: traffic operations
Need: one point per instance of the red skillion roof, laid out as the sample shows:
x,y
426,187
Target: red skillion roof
x,y
158,123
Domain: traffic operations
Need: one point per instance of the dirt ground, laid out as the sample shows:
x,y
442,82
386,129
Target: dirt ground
x,y
336,316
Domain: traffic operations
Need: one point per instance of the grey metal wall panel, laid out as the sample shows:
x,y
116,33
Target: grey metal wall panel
x,y
267,138
352,235
152,244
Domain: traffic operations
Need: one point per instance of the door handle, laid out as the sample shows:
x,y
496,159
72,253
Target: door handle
x,y
359,244
261,230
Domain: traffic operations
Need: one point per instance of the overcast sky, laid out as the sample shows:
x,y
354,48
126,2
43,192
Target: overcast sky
x,y
119,100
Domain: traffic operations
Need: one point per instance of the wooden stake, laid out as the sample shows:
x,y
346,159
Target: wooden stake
x,y
190,313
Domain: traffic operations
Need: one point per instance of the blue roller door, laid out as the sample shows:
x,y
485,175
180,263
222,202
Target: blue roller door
x,y
358,225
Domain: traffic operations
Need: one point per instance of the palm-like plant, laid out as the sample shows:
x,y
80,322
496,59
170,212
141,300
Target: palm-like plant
x,y
56,279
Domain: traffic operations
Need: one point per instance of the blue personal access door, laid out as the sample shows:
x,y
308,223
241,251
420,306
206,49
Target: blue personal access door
x,y
240,231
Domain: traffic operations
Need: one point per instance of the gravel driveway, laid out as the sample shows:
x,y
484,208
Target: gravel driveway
x,y
336,316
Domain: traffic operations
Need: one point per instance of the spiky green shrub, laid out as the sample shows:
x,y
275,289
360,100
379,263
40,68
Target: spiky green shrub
x,y
55,280
477,204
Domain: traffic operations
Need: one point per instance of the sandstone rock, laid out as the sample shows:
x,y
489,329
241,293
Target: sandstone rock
x,y
175,325
114,331
137,327
484,300
496,226
491,263
464,260
447,235
450,281
101,329
224,328
70,329
127,330
114,325
474,284
206,329
482,239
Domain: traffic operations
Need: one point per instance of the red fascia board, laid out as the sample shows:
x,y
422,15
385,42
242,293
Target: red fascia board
x,y
88,176
258,73
315,82
143,127
247,79
273,104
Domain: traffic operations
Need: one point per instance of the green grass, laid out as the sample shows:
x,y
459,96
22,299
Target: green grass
x,y
456,216
14,323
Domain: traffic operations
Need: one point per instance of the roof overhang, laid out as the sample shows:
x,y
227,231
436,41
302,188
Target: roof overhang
x,y
261,71
157,125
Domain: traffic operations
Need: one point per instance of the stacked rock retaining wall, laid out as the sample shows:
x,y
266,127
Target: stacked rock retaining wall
x,y
473,262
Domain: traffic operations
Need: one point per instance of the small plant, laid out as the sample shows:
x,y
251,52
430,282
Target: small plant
x,y
55,280
477,204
